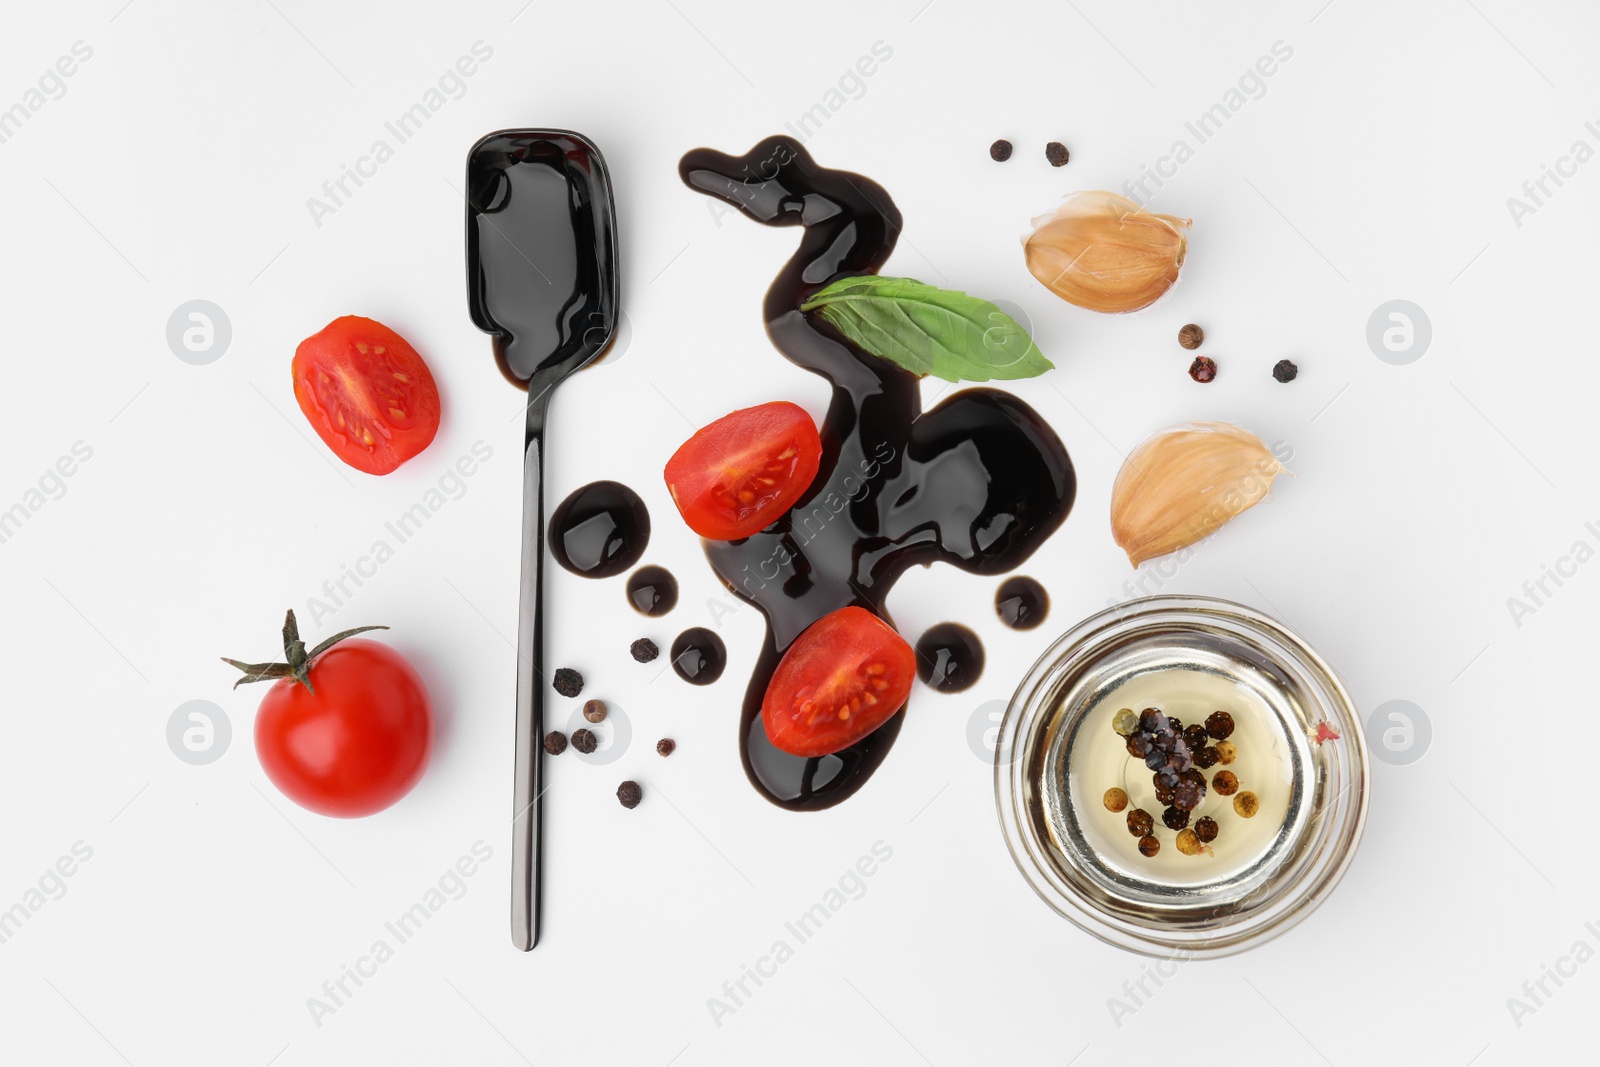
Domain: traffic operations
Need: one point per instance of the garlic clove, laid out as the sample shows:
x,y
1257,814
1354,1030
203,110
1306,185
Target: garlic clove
x,y
1101,251
1185,483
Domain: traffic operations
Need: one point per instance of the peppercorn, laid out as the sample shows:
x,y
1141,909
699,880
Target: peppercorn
x,y
1205,828
1140,822
1194,736
665,746
1175,818
594,710
1164,793
1186,797
1125,722
1227,752
585,741
1116,799
1057,154
1219,724
567,682
1166,778
1247,804
1148,846
629,794
1203,369
1139,745
1197,778
1284,370
1000,151
1191,336
644,650
1155,759
1188,842
1206,758
1174,725
1226,783
555,742
1150,720
1180,759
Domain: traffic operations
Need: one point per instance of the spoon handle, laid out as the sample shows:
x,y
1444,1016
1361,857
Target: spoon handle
x,y
527,836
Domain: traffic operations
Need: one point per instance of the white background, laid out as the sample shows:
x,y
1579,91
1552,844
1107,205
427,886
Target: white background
x,y
1375,165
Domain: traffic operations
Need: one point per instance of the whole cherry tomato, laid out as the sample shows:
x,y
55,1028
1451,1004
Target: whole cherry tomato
x,y
345,732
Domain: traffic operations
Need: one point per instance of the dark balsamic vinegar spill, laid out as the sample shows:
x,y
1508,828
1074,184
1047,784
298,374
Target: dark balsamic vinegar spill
x,y
979,481
599,530
1021,603
699,656
652,591
949,657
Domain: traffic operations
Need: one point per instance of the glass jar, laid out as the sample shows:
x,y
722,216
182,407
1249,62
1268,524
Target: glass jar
x,y
1299,747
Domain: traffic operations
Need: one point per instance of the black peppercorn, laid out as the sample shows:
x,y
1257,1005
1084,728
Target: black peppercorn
x,y
1139,745
585,741
1284,370
644,650
555,742
567,682
1155,759
1205,828
1219,724
1057,154
1148,846
629,794
665,746
1000,151
1206,757
1180,759
1150,720
1194,736
1140,822
1175,818
1203,369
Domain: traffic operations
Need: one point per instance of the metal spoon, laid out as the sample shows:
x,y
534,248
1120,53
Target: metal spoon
x,y
542,279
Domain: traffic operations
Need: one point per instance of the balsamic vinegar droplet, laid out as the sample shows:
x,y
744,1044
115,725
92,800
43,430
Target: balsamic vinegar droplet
x,y
600,530
1021,603
652,591
698,655
949,657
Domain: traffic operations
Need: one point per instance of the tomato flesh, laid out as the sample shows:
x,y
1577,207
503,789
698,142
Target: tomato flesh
x,y
367,393
844,677
738,475
355,745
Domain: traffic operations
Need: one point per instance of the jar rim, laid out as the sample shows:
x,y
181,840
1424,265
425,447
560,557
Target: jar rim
x,y
1323,851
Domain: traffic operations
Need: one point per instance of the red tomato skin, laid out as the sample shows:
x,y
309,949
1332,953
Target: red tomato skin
x,y
841,644
697,474
356,745
336,347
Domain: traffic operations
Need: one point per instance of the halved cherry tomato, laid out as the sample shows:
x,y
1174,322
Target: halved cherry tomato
x,y
840,680
367,393
738,475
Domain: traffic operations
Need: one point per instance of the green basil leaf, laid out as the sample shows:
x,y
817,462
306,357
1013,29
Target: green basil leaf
x,y
928,330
